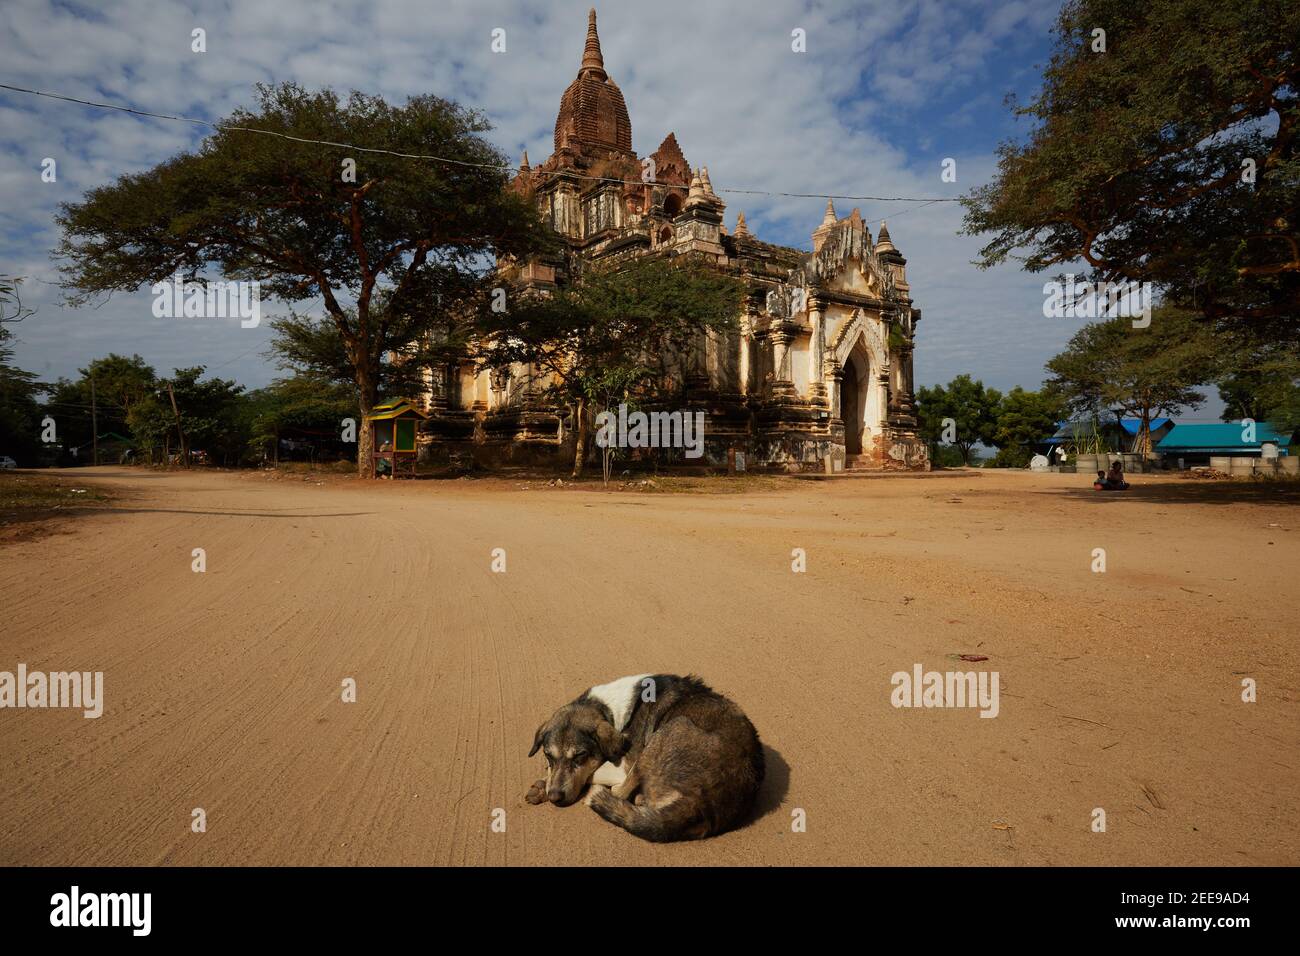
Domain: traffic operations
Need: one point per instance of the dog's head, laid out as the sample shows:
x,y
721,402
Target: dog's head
x,y
576,741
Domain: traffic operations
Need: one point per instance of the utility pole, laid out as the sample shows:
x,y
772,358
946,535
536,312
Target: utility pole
x,y
94,422
185,452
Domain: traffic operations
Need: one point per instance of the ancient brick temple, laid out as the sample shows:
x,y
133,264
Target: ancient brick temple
x,y
821,364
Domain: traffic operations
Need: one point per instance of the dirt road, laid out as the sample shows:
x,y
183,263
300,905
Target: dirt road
x,y
1119,690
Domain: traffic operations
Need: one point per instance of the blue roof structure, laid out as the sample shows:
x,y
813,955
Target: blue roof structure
x,y
1131,425
1226,438
1066,431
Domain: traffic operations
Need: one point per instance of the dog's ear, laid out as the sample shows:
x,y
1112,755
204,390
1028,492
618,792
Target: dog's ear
x,y
538,737
612,743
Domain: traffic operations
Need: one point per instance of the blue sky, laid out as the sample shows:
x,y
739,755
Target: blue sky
x,y
885,92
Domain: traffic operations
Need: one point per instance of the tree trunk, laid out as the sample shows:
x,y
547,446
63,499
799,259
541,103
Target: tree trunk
x,y
580,426
366,397
1144,433
365,438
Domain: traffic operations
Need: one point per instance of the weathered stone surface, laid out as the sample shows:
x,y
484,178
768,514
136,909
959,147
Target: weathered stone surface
x,y
822,364
592,109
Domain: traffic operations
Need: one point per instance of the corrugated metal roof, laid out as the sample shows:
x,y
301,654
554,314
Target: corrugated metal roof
x,y
1226,437
1066,431
1131,425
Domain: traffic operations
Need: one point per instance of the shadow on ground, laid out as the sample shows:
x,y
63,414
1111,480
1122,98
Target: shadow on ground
x,y
776,784
1193,491
15,519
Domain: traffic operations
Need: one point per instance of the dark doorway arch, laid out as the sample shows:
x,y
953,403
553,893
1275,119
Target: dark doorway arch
x,y
849,388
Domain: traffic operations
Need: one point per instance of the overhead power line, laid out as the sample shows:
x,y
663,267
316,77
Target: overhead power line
x,y
505,167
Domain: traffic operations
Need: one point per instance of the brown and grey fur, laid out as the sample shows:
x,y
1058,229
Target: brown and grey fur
x,y
691,760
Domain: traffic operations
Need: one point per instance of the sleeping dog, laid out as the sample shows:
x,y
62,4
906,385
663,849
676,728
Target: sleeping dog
x,y
666,757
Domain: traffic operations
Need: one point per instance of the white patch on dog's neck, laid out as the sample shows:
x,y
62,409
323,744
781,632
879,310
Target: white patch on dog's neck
x,y
619,696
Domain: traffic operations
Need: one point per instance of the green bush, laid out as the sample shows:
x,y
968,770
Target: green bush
x,y
1013,456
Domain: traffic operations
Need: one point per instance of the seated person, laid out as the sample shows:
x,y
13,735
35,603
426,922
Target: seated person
x,y
1116,478
1101,484
384,466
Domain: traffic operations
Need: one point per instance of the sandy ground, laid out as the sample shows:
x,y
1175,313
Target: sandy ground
x,y
1119,690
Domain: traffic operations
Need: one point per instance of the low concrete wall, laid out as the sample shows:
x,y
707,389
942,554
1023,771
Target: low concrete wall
x,y
1247,465
1284,465
1244,465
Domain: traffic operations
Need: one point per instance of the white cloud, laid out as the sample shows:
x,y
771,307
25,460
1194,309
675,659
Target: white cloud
x,y
721,75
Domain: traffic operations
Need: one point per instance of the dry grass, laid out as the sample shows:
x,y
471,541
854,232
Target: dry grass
x,y
35,504
24,492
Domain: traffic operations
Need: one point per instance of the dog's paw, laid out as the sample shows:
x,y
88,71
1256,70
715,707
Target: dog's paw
x,y
594,793
536,793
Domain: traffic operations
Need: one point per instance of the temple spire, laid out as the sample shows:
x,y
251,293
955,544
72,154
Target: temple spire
x,y
828,223
591,56
883,242
696,195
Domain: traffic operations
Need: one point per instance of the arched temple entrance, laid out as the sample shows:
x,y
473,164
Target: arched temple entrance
x,y
848,402
853,401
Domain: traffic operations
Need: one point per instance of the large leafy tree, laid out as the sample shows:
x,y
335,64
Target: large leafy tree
x,y
67,402
1110,367
299,406
101,397
1260,380
377,238
190,413
628,329
20,412
313,347
962,413
210,411
1024,417
1284,413
1169,156
153,426
120,382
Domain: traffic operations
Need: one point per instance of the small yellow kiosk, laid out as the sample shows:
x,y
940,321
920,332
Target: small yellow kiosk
x,y
396,425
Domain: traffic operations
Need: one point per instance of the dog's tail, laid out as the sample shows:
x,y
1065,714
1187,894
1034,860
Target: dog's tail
x,y
677,820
